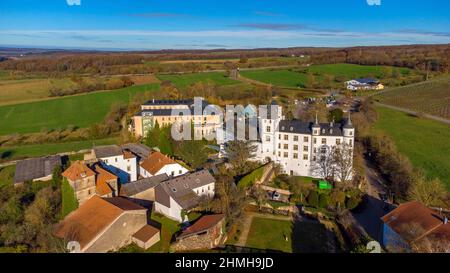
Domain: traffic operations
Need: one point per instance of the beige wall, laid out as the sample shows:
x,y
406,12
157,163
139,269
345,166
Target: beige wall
x,y
119,233
149,243
209,124
83,188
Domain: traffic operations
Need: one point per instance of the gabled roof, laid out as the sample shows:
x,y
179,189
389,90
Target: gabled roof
x,y
141,185
78,170
138,149
35,168
181,189
92,218
107,151
102,179
414,221
367,80
155,162
201,225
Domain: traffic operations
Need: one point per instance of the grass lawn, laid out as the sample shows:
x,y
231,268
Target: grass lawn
x,y
270,234
168,229
293,78
79,110
184,80
425,142
69,202
35,150
7,175
276,77
251,178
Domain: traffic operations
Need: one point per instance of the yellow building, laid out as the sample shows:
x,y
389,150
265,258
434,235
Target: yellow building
x,y
167,112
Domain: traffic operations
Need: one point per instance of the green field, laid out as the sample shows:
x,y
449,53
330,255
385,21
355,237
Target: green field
x,y
431,97
425,142
7,175
36,150
79,110
184,80
297,77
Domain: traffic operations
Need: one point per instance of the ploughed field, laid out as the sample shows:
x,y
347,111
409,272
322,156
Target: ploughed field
x,y
425,142
431,97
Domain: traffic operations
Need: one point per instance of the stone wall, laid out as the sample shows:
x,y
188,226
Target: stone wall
x,y
119,233
206,240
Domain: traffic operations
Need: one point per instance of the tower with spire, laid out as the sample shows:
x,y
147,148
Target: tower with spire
x,y
349,130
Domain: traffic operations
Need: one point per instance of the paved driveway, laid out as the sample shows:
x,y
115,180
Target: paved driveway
x,y
374,208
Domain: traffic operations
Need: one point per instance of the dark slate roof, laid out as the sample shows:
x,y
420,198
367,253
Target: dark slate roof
x,y
138,149
300,127
170,102
367,80
168,112
35,168
181,188
107,151
141,185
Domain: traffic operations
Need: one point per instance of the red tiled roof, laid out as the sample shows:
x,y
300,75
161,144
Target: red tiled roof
x,y
203,224
102,179
78,170
91,218
413,221
156,161
145,233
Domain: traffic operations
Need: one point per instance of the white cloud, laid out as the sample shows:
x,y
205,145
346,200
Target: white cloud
x,y
73,2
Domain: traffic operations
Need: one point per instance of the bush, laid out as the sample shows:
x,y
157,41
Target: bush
x,y
324,200
352,202
313,199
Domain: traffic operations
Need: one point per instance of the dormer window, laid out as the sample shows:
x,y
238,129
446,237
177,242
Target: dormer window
x,y
292,128
331,131
323,131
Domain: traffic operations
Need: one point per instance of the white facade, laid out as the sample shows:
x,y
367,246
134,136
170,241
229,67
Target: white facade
x,y
125,168
172,170
174,212
299,146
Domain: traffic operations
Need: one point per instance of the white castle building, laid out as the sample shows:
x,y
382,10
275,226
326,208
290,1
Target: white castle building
x,y
299,146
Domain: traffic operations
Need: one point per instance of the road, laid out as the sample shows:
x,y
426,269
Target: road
x,y
373,210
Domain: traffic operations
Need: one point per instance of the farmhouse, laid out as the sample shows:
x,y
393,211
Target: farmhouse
x,y
364,84
102,224
183,193
167,112
158,163
413,224
119,161
205,233
36,169
89,180
142,191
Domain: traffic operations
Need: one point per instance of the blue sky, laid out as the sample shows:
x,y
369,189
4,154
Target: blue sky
x,y
206,24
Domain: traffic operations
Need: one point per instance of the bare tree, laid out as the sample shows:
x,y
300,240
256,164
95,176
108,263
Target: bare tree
x,y
343,162
324,164
430,193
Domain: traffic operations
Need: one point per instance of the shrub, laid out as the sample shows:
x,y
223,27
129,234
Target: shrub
x,y
323,200
313,199
352,202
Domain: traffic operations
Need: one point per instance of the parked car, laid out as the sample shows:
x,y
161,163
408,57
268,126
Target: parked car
x,y
276,196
